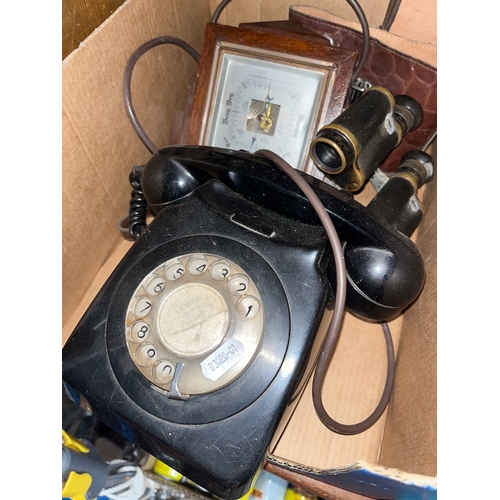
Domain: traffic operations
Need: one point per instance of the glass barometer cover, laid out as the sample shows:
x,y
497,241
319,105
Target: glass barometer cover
x,y
265,105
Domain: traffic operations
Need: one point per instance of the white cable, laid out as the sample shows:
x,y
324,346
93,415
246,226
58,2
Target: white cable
x,y
132,489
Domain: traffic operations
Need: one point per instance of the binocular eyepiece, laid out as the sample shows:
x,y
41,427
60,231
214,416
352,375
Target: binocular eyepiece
x,y
351,147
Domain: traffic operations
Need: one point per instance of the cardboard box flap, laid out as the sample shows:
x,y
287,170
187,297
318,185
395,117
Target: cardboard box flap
x,y
352,389
100,146
367,479
410,435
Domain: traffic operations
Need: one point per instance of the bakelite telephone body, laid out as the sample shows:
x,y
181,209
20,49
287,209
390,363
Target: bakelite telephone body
x,y
202,335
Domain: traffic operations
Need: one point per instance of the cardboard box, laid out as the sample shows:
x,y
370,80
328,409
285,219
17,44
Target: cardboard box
x,y
396,458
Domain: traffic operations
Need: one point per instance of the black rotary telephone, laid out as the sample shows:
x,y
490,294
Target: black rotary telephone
x,y
202,335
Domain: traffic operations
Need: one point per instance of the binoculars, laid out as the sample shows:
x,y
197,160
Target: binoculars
x,y
350,148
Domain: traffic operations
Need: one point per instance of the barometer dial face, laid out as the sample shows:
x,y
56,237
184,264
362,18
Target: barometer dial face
x,y
260,104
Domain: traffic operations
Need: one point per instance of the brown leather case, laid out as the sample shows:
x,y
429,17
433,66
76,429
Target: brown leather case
x,y
386,67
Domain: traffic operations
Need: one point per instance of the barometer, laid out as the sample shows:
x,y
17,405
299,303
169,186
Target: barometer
x,y
267,90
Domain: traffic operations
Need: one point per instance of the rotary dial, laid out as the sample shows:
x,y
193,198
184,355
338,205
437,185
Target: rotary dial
x,y
194,324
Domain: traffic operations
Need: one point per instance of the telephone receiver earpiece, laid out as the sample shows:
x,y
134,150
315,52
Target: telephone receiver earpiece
x,y
162,186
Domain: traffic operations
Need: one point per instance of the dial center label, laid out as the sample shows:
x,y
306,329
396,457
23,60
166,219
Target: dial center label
x,y
222,359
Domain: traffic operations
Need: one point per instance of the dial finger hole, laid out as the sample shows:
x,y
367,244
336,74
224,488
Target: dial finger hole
x,y
238,284
163,372
142,307
146,355
174,270
139,332
220,270
197,265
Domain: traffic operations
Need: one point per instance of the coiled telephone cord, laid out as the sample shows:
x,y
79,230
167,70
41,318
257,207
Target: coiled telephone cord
x,y
138,210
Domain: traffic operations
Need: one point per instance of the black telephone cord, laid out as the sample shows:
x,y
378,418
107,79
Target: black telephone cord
x,y
218,10
138,210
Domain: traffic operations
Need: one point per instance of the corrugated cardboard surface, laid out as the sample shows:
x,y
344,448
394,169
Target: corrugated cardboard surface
x,y
354,383
99,150
417,20
100,146
410,440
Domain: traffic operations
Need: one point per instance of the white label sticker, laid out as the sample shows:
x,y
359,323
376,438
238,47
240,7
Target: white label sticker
x,y
222,359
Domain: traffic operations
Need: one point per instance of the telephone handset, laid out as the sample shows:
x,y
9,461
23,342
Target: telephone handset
x,y
385,268
197,342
